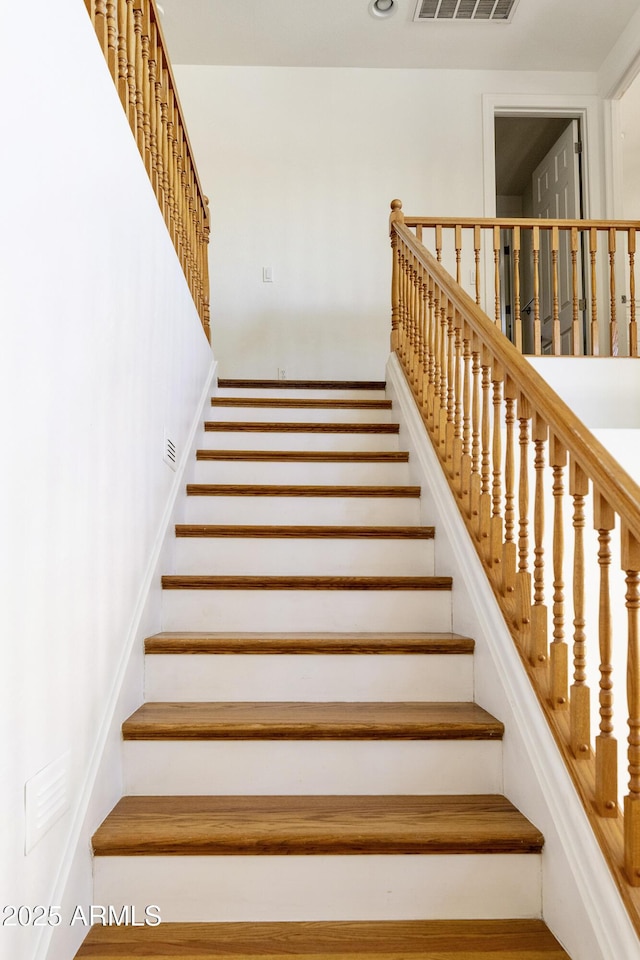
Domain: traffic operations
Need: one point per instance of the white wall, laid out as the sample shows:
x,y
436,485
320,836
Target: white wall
x,y
101,348
302,164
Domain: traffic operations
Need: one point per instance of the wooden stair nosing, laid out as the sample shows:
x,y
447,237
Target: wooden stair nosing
x,y
213,582
314,825
284,403
302,384
300,490
198,643
305,456
299,426
331,940
285,532
311,721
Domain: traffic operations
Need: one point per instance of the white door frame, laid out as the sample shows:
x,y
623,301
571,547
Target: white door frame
x,y
594,158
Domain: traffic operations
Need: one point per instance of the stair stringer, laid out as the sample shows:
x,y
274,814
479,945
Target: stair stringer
x,y
103,780
581,903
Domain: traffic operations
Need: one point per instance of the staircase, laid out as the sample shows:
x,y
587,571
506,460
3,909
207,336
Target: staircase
x,y
310,775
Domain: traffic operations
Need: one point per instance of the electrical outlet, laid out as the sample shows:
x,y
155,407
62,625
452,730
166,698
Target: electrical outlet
x,y
267,274
281,374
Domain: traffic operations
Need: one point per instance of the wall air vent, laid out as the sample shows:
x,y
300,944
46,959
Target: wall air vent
x,y
496,11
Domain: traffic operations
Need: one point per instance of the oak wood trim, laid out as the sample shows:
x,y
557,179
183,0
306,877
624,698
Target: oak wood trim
x,y
311,721
308,825
295,532
303,384
298,490
200,643
306,456
258,426
197,582
285,403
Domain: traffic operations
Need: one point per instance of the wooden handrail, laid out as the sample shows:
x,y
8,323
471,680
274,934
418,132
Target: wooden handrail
x,y
574,275
132,41
481,402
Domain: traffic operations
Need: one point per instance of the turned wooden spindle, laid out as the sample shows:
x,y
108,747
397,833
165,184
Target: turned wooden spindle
x,y
509,551
523,575
558,652
122,84
446,409
631,565
426,333
132,96
495,533
580,694
537,329
484,514
496,275
458,245
431,349
465,478
517,319
606,744
100,24
477,244
475,484
593,252
396,216
111,15
633,325
539,615
576,330
457,449
556,346
613,323
145,42
439,243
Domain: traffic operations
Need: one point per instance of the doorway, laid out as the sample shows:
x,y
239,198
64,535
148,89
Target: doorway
x,y
538,173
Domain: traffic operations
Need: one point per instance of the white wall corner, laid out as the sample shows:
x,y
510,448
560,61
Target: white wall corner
x,y
588,918
102,782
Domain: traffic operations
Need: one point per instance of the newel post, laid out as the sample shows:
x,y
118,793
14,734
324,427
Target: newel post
x,y
396,216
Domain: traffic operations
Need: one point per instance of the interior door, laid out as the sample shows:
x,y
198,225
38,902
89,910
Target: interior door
x,y
556,195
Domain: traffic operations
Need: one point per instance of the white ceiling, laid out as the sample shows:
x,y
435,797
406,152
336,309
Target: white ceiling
x,y
571,35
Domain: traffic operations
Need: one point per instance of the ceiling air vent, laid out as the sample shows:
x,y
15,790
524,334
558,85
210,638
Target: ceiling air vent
x,y
497,11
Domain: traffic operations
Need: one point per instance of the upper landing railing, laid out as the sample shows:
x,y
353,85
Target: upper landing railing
x,y
552,286
573,611
131,38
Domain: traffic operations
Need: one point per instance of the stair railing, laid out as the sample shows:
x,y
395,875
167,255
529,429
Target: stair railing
x,y
481,401
131,38
554,286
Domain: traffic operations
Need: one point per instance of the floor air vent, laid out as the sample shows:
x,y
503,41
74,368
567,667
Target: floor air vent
x,y
498,11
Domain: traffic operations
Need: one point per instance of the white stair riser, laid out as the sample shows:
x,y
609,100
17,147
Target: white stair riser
x,y
252,471
309,678
313,767
352,611
291,393
354,511
299,414
207,889
255,440
304,557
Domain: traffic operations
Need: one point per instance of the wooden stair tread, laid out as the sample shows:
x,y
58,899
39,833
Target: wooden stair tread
x,y
302,384
299,490
311,721
196,643
297,426
361,940
308,825
300,403
321,532
211,582
306,456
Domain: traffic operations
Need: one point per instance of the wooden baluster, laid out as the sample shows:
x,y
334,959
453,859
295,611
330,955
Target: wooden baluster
x,y
132,96
140,77
556,346
431,344
420,328
410,320
100,24
419,232
147,83
593,251
401,301
164,118
631,566
613,341
89,4
559,657
606,743
426,333
153,110
160,129
415,332
484,516
465,479
111,15
186,255
509,552
439,243
396,216
171,159
539,618
516,289
580,700
475,484
495,532
457,406
523,576
437,373
576,337
496,275
458,243
205,268
123,86
633,326
537,329
446,408
477,243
